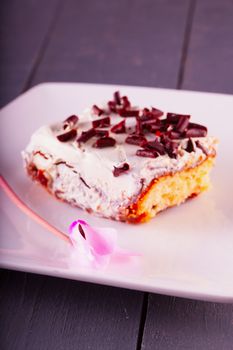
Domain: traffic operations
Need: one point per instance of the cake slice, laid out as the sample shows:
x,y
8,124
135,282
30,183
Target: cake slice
x,y
122,162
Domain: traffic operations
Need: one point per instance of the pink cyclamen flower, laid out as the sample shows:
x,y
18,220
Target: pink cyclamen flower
x,y
96,246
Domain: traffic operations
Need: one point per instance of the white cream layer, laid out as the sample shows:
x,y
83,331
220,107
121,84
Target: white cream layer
x,y
95,166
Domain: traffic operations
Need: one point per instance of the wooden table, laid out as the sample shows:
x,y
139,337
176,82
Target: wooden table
x,y
183,44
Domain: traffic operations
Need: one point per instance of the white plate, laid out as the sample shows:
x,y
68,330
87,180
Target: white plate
x,y
186,251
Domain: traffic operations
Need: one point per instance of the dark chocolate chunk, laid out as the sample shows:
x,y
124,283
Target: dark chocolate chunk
x,y
121,169
128,113
150,122
105,142
97,110
197,126
156,112
155,145
101,123
117,98
171,147
112,106
134,139
172,118
101,133
147,153
199,145
125,102
175,135
196,132
150,125
86,135
183,123
73,119
138,128
119,128
67,136
190,146
146,114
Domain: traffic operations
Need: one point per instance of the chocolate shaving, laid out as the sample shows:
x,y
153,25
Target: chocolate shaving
x,y
121,169
175,135
148,120
182,123
102,123
197,126
195,132
199,145
173,118
67,136
125,102
156,112
190,146
117,97
101,133
112,106
137,140
104,142
171,147
97,110
70,122
138,128
119,128
73,119
147,114
147,153
153,128
86,135
128,113
151,125
155,145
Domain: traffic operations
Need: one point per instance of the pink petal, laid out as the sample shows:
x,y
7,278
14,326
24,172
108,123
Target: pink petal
x,y
98,246
102,241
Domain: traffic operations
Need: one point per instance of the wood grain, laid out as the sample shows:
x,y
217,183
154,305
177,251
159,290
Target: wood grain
x,y
24,26
209,66
176,323
120,42
40,312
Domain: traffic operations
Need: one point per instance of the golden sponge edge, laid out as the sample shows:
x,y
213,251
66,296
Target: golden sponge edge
x,y
170,190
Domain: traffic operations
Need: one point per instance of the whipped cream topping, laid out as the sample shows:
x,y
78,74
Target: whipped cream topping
x,y
94,166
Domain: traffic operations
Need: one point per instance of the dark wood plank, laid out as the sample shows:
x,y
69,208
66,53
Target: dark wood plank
x,y
210,54
40,312
24,25
176,323
17,302
121,42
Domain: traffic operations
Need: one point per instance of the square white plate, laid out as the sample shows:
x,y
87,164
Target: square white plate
x,y
186,251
